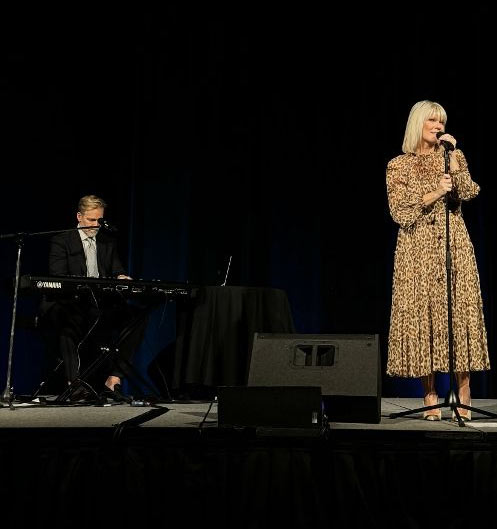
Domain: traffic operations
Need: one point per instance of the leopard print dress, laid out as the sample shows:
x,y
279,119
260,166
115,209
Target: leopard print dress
x,y
418,338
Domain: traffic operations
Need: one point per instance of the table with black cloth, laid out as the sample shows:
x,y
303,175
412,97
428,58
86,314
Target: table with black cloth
x,y
215,333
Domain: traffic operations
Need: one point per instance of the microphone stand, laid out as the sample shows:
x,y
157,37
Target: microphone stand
x,y
452,400
227,271
7,395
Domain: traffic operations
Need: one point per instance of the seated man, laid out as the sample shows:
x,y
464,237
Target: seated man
x,y
91,253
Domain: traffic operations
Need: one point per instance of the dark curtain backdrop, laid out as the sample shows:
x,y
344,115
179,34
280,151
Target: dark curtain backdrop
x,y
261,135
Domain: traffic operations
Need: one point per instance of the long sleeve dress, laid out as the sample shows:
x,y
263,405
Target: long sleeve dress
x,y
418,338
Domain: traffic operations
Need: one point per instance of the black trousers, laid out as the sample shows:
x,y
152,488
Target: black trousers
x,y
79,323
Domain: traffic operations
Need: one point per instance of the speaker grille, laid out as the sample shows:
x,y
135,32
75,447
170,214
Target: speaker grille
x,y
346,367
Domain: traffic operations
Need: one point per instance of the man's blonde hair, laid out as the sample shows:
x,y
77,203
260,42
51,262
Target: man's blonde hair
x,y
420,112
89,202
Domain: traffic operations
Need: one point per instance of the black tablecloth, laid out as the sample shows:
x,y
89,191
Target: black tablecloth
x,y
215,332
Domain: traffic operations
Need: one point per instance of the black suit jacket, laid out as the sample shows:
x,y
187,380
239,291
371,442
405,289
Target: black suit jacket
x,y
67,256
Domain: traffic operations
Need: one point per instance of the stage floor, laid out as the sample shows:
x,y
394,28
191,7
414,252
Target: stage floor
x,y
203,415
173,464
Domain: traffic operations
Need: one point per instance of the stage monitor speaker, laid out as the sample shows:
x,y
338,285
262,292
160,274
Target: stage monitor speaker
x,y
345,366
270,407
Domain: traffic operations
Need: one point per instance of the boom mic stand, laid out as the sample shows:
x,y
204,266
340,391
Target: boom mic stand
x,y
7,396
452,398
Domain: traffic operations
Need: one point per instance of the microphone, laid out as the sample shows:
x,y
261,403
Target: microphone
x,y
447,145
105,225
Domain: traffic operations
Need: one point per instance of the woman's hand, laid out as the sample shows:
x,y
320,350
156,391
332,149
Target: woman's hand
x,y
445,185
453,163
449,138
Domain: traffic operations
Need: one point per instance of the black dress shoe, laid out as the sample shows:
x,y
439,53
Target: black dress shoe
x,y
116,394
82,394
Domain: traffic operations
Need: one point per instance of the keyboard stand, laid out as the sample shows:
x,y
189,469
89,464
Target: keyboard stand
x,y
112,353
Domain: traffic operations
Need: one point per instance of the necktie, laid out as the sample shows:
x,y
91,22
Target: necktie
x,y
91,258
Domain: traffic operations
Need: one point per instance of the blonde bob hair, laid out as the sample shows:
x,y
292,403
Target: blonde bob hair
x,y
420,112
89,202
